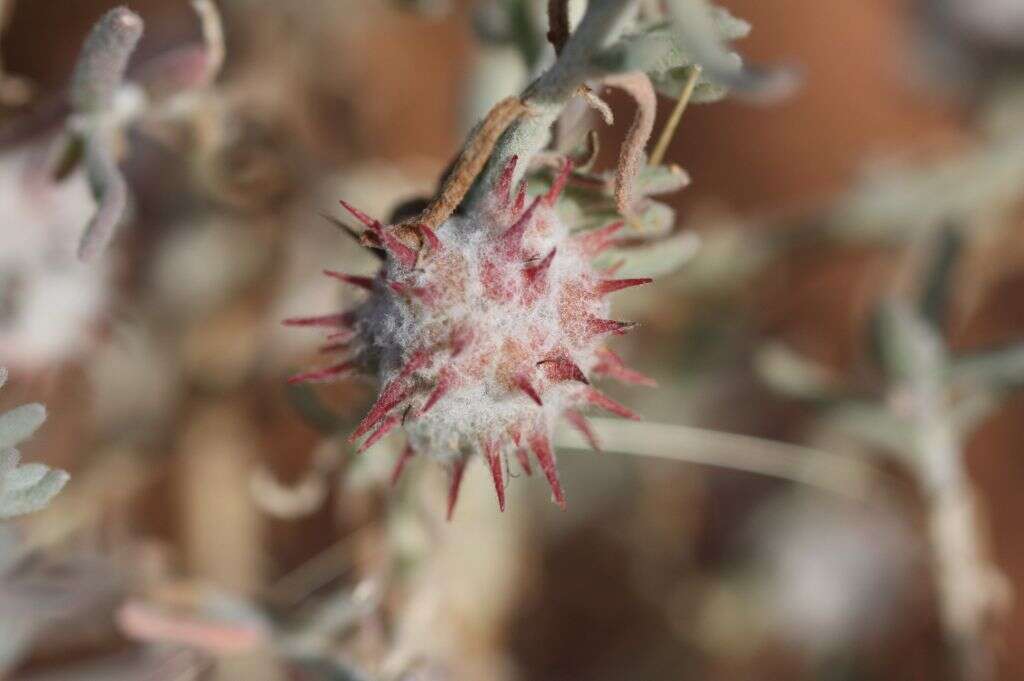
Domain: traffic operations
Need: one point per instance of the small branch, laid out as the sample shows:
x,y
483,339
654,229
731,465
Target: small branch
x,y
836,474
558,24
603,21
111,193
669,131
969,584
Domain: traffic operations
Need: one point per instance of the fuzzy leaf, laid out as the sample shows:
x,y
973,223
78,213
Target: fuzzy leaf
x,y
904,341
26,488
793,375
20,423
661,51
654,180
997,368
103,61
698,27
654,258
871,424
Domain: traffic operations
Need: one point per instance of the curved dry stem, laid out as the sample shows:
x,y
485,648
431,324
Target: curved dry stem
x,y
840,475
471,161
631,156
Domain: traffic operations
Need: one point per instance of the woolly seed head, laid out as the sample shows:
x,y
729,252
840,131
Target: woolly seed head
x,y
484,336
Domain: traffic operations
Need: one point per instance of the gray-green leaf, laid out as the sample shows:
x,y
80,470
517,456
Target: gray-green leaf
x,y
20,423
26,488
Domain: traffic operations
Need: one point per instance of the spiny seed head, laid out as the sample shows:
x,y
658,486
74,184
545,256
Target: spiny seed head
x,y
483,337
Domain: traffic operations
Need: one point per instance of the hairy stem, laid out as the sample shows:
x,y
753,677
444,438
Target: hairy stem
x,y
548,95
840,475
968,582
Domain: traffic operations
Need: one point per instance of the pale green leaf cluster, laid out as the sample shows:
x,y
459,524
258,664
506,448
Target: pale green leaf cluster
x,y
24,488
662,51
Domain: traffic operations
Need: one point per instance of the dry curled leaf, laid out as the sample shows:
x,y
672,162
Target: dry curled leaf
x,y
631,157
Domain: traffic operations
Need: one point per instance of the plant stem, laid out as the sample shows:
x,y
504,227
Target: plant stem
x,y
840,475
967,581
547,96
669,131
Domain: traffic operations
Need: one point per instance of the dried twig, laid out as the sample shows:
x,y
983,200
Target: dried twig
x,y
658,155
472,160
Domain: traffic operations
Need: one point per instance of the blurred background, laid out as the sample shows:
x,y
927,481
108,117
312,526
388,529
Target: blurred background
x,y
218,525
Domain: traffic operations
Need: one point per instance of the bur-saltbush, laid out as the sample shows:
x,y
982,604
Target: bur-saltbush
x,y
488,319
27,487
486,336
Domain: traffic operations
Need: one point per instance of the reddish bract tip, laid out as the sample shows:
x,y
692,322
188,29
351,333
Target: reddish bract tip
x,y
386,427
520,199
611,365
444,384
597,241
536,274
341,320
599,399
558,185
462,336
602,326
493,456
523,383
430,236
321,375
403,459
563,369
361,282
542,450
504,187
391,244
524,460
607,286
390,397
420,293
458,469
334,347
396,248
580,423
511,242
361,216
612,269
